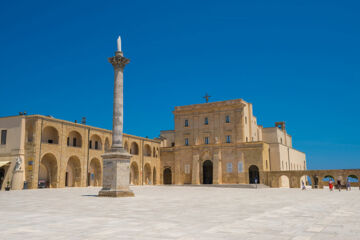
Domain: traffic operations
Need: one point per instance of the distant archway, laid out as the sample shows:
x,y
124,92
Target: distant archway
x,y
134,174
254,176
94,177
167,176
73,172
306,180
284,181
207,172
48,173
147,174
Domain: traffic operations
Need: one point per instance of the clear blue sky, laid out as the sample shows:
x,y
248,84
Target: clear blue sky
x,y
296,61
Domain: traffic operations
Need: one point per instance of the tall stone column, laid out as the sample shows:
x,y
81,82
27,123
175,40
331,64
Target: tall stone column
x,y
116,162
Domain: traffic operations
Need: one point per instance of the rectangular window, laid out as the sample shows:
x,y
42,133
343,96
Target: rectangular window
x,y
206,140
68,141
228,139
186,123
187,168
3,137
227,119
50,141
74,142
90,144
229,167
186,142
206,121
240,167
96,145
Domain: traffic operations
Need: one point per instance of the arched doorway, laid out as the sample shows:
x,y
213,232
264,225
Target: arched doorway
x,y
254,174
73,172
94,175
154,176
147,174
134,174
306,180
284,181
48,171
167,176
2,177
207,172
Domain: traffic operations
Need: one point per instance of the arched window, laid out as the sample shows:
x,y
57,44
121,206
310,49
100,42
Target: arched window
x,y
134,149
95,142
147,150
50,135
74,139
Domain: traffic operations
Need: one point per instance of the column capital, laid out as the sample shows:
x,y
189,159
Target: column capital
x,y
118,61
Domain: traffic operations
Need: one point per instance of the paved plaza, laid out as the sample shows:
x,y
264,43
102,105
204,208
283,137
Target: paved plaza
x,y
181,212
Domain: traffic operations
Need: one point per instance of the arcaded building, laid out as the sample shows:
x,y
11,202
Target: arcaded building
x,y
221,143
55,153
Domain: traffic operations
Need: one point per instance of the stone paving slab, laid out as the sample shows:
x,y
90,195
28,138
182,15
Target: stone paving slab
x,y
181,213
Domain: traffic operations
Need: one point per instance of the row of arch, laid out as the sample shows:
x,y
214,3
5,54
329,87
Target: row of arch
x,y
149,174
48,176
207,174
147,151
316,181
50,135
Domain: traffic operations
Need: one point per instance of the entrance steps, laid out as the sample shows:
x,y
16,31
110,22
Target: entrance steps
x,y
251,186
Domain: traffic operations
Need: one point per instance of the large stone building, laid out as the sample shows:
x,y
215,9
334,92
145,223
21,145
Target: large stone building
x,y
221,143
57,153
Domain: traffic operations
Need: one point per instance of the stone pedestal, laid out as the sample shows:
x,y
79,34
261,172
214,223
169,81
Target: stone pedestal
x,y
17,182
116,174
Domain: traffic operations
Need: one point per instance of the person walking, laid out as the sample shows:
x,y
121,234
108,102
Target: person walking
x,y
303,185
339,185
331,185
348,185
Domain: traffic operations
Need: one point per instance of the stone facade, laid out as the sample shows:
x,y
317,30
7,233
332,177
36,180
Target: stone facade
x,y
58,153
221,143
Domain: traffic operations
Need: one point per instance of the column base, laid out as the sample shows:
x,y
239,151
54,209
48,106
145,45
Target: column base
x,y
112,193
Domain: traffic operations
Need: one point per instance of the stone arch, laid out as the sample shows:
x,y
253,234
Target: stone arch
x,y
134,173
50,135
74,139
134,148
306,179
154,176
95,142
147,174
353,179
254,174
94,175
48,174
73,172
284,181
147,150
167,176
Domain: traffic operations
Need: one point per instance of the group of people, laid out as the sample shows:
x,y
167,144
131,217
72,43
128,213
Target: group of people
x,y
338,185
331,185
